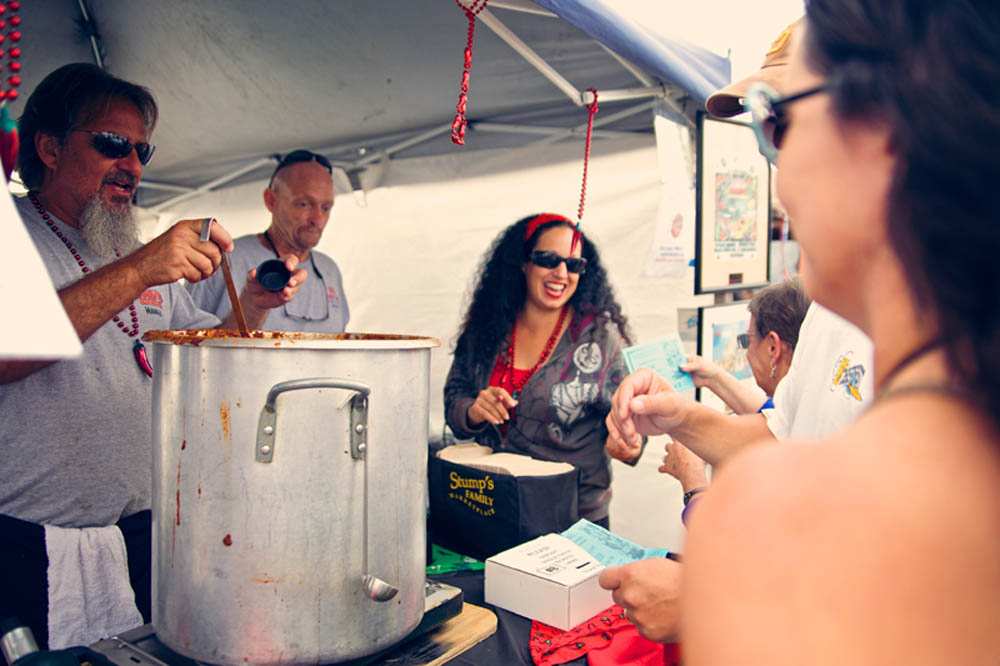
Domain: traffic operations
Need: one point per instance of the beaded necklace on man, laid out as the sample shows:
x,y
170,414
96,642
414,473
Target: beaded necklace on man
x,y
518,382
138,349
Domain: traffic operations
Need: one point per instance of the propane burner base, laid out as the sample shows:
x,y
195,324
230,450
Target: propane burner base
x,y
140,647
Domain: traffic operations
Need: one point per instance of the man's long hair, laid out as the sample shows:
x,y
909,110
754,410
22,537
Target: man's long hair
x,y
67,98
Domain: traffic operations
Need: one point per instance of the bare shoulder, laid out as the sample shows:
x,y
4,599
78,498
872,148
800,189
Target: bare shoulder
x,y
885,538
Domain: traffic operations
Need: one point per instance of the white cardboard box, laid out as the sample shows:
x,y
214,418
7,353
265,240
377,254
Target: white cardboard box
x,y
549,579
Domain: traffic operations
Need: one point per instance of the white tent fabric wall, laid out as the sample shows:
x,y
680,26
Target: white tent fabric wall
x,y
409,258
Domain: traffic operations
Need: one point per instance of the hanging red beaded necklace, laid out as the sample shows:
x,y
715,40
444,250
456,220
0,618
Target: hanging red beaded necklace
x,y
517,381
138,349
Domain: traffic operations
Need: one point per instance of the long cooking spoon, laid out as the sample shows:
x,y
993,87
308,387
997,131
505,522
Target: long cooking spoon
x,y
227,273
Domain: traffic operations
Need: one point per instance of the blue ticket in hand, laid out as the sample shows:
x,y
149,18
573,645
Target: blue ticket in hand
x,y
609,549
663,356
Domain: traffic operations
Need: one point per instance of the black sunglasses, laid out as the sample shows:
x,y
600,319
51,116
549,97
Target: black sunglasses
x,y
116,146
548,259
768,116
743,340
301,155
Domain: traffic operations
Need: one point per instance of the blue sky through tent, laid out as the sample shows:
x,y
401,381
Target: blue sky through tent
x,y
743,28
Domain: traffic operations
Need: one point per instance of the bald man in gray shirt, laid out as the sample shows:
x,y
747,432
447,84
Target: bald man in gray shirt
x,y
299,197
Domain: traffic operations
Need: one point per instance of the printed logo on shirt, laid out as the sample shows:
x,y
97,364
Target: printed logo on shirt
x,y
152,302
570,400
332,296
587,357
847,377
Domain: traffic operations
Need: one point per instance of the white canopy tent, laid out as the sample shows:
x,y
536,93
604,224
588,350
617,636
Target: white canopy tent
x,y
373,85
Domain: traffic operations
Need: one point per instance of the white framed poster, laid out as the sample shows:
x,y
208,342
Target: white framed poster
x,y
733,208
719,328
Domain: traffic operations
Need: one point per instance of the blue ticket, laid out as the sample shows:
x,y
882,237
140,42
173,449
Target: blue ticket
x,y
609,549
664,356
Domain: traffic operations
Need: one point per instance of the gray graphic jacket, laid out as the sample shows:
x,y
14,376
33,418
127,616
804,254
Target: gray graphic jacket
x,y
560,414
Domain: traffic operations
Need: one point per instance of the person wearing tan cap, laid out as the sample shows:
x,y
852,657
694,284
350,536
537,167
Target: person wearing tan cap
x,y
727,102
827,387
882,544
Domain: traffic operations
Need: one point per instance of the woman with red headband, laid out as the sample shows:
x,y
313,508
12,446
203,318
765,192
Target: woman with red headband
x,y
539,354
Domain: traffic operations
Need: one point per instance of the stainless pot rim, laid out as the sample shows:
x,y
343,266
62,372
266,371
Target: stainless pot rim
x,y
286,340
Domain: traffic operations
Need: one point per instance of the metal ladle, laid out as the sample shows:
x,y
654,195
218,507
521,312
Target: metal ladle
x,y
376,588
227,273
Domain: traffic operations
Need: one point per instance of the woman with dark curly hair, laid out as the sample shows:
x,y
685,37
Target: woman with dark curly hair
x,y
538,354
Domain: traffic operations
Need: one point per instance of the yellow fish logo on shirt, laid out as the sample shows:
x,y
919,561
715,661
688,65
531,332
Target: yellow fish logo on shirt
x,y
849,376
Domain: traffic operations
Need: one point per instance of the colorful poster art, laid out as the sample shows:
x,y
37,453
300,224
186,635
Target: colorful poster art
x,y
726,351
732,216
719,329
735,215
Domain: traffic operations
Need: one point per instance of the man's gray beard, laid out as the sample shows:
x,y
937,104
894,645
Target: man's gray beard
x,y
108,230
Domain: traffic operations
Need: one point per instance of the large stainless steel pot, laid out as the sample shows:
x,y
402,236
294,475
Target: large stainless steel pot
x,y
289,494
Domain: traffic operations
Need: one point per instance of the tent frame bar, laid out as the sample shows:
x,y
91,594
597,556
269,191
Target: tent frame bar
x,y
639,75
551,135
649,89
523,6
558,80
518,128
529,54
605,120
165,187
212,184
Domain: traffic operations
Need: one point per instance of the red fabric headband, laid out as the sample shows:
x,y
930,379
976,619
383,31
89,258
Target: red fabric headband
x,y
544,218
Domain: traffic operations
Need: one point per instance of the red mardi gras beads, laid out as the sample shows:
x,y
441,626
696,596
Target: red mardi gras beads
x,y
549,346
592,109
460,122
134,316
13,21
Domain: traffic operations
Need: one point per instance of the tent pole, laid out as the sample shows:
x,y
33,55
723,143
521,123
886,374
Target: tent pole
x,y
621,94
90,29
166,187
402,145
211,185
516,128
605,120
535,60
524,6
639,75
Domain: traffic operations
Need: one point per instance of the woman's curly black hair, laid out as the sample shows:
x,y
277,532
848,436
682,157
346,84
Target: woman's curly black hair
x,y
500,291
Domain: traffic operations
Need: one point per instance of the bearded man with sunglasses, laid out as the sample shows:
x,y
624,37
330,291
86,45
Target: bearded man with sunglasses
x,y
300,198
75,453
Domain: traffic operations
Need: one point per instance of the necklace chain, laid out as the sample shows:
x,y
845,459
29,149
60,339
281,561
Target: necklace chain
x,y
546,351
914,354
134,315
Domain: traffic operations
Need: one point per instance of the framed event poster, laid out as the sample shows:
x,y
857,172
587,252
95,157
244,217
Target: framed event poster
x,y
732,209
718,329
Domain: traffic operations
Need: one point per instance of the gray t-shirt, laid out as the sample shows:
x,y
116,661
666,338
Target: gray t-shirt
x,y
75,440
319,305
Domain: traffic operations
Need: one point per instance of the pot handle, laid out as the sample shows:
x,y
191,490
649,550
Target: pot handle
x,y
267,424
376,588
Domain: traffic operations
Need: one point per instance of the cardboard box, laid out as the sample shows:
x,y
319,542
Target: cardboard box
x,y
549,579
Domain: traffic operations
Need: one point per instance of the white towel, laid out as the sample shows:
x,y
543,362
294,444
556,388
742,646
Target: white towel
x,y
90,596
